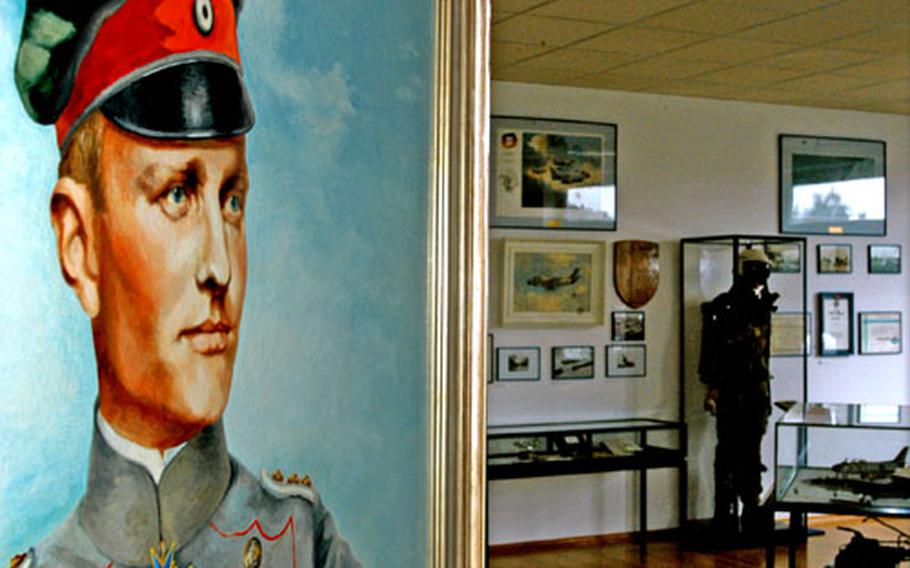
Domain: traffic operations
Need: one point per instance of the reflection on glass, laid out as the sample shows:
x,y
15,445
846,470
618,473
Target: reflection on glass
x,y
598,199
879,414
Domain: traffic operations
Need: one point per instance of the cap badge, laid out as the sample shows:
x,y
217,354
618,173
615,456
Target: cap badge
x,y
204,15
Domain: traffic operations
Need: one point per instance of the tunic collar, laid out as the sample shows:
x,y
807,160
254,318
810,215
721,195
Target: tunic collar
x,y
153,460
126,513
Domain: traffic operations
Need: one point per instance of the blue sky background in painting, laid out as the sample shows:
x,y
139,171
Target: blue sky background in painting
x,y
331,375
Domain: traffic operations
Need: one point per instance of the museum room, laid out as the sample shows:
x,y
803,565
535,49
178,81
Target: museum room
x,y
697,214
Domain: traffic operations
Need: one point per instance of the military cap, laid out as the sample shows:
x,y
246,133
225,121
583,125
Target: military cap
x,y
159,68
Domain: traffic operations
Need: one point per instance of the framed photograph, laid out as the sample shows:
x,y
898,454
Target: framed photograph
x,y
835,259
552,283
552,174
880,333
628,326
791,334
626,360
884,259
832,186
835,330
573,362
518,363
784,257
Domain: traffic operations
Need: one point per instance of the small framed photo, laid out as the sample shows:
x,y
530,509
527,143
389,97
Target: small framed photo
x,y
626,360
552,174
573,362
835,330
628,326
880,333
553,283
884,259
518,364
791,334
784,257
835,259
832,186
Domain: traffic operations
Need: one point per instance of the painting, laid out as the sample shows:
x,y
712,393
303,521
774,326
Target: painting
x,y
626,360
171,311
884,259
549,283
832,186
784,257
573,362
553,174
835,259
518,364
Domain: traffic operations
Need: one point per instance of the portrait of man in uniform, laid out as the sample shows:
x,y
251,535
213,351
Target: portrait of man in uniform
x,y
151,115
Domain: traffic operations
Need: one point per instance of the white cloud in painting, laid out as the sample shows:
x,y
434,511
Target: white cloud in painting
x,y
410,91
321,97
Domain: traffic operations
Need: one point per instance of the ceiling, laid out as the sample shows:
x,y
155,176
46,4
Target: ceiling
x,y
842,54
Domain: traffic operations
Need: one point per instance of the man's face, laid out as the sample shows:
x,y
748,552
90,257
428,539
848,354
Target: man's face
x,y
171,271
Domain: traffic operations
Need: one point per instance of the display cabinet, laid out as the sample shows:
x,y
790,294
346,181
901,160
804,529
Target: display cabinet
x,y
707,269
569,448
846,459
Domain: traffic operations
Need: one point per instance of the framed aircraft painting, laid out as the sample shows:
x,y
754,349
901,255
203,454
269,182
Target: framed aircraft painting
x,y
553,283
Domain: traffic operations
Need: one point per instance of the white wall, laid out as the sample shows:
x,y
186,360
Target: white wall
x,y
687,167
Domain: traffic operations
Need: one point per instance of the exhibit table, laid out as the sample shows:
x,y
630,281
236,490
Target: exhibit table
x,y
571,448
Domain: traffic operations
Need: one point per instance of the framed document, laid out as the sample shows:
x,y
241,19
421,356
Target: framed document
x,y
880,333
832,186
835,330
790,334
552,174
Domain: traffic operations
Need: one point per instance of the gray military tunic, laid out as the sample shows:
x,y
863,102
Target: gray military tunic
x,y
207,509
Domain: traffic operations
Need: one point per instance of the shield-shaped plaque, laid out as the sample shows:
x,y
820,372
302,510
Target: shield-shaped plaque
x,y
636,271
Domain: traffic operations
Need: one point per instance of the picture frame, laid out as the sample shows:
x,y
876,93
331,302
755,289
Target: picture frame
x,y
835,258
791,334
835,329
518,364
572,362
832,186
628,325
626,360
880,333
884,259
785,257
553,283
552,174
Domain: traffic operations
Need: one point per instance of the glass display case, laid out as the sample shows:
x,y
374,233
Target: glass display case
x,y
707,269
843,458
570,448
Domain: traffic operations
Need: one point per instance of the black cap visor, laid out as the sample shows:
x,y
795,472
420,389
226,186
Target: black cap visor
x,y
190,101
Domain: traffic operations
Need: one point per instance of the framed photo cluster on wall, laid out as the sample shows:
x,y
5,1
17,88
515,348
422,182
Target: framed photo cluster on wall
x,y
568,362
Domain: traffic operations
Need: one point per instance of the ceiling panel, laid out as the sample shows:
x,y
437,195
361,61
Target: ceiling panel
x,y
714,17
850,54
610,11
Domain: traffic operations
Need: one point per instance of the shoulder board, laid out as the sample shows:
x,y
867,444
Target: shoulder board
x,y
290,486
20,561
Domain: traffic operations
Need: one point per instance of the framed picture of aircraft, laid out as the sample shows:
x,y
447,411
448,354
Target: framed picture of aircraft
x,y
626,360
552,283
518,364
572,362
552,174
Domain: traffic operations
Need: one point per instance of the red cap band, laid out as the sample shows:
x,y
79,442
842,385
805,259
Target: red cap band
x,y
138,37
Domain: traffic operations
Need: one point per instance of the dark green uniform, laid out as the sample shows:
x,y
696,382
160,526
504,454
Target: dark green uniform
x,y
735,354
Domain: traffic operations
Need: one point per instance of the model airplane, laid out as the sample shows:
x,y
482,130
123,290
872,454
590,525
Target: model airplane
x,y
868,491
554,282
871,470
